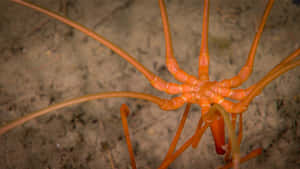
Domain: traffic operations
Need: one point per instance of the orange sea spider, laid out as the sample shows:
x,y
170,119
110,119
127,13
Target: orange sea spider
x,y
211,96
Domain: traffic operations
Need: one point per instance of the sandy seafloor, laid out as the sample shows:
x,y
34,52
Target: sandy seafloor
x,y
43,62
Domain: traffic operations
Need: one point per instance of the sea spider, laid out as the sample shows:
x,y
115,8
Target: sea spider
x,y
209,95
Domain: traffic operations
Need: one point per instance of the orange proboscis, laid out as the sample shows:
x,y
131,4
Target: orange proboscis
x,y
218,132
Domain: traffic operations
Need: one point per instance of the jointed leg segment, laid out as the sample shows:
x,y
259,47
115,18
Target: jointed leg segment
x,y
246,71
148,74
171,62
204,55
124,114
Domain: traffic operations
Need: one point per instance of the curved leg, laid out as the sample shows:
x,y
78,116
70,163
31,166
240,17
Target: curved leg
x,y
175,102
91,34
267,79
246,71
285,61
149,75
171,62
33,115
243,104
124,114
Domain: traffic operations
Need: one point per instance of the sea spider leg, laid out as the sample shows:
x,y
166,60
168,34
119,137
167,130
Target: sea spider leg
x,y
267,79
171,62
172,88
204,55
217,126
198,134
236,94
204,110
30,116
157,82
208,118
176,102
91,34
124,110
241,94
246,70
243,104
281,68
124,114
288,59
178,132
180,150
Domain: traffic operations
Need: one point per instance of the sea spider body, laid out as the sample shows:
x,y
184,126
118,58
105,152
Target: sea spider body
x,y
218,112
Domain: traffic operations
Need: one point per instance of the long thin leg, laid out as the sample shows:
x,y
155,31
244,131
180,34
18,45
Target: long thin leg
x,y
243,104
285,61
91,34
287,64
204,111
186,145
266,80
204,56
210,116
171,62
149,75
178,132
246,71
198,137
30,116
124,114
281,68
